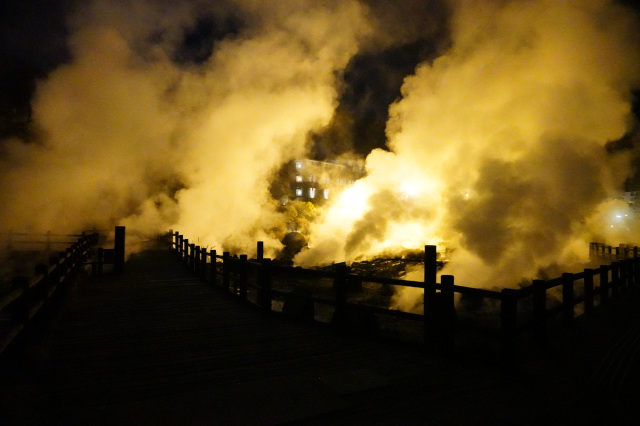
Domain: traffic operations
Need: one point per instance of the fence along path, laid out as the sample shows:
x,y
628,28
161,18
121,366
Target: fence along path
x,y
155,345
507,315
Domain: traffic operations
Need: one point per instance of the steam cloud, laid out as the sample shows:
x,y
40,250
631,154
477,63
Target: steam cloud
x,y
128,135
496,148
500,142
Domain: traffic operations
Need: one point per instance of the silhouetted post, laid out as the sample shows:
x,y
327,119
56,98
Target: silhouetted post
x,y
192,256
615,280
429,297
118,266
181,245
174,241
509,325
20,311
588,291
604,285
617,253
226,269
196,261
448,315
636,267
568,300
243,276
260,251
42,289
99,261
623,274
186,251
203,264
340,293
212,267
264,295
540,312
66,265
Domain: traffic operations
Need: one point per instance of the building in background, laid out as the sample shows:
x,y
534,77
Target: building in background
x,y
318,181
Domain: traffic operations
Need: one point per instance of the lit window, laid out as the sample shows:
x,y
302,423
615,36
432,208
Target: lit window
x,y
312,193
298,165
298,178
298,192
325,193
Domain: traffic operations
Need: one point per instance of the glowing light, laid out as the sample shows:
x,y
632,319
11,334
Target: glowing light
x,y
409,189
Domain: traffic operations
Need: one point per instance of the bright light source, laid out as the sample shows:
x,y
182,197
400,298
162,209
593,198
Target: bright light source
x,y
409,190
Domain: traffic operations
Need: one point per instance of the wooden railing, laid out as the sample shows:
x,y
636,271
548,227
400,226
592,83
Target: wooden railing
x,y
29,294
516,313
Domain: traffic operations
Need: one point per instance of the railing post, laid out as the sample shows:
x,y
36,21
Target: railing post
x,y
508,325
636,267
226,269
213,267
119,248
264,296
588,291
243,276
20,311
615,280
192,256
623,275
340,293
568,300
604,285
540,312
429,296
99,260
196,261
186,251
260,251
448,315
203,264
43,290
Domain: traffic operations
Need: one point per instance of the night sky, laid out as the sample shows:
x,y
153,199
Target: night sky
x,y
33,37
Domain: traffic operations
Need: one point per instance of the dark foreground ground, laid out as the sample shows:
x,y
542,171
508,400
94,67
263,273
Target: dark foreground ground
x,y
156,346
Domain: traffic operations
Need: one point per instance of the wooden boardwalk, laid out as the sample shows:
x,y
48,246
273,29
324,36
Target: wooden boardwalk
x,y
157,346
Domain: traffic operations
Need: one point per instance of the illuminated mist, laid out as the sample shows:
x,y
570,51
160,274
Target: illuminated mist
x,y
498,146
496,149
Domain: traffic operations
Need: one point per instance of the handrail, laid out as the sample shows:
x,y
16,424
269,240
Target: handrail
x,y
30,295
522,310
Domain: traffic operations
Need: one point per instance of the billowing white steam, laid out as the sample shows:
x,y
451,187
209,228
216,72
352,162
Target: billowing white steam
x,y
128,136
498,147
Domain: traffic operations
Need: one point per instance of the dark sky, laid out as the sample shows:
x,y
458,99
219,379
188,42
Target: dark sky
x,y
33,42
